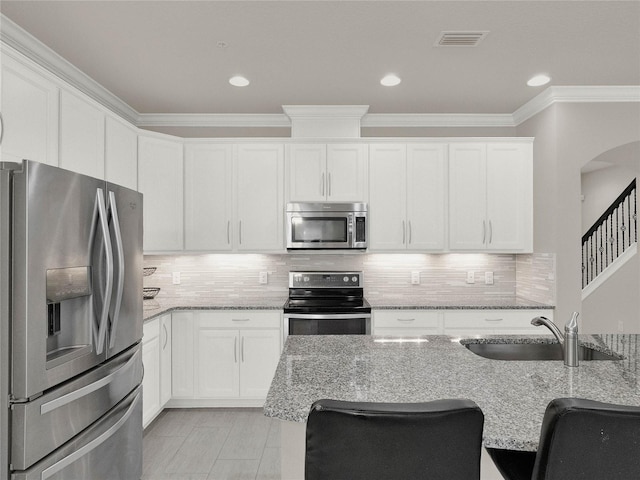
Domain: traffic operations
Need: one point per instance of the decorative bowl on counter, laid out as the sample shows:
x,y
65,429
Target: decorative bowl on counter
x,y
146,271
149,292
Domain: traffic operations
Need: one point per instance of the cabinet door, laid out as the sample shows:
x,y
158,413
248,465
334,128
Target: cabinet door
x,y
121,153
208,173
467,196
387,197
81,136
259,197
347,173
151,379
160,181
29,114
182,355
426,193
217,363
509,197
306,172
165,359
259,355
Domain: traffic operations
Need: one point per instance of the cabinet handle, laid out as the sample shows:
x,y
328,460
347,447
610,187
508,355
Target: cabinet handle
x,y
493,319
406,319
322,185
228,232
240,232
1,128
242,350
329,183
410,235
484,231
235,350
490,232
240,319
404,233
166,336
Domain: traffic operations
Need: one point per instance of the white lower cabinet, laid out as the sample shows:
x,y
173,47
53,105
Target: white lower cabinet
x,y
151,379
487,322
225,357
407,323
156,359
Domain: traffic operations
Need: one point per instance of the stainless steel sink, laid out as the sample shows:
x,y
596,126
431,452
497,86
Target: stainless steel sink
x,y
533,351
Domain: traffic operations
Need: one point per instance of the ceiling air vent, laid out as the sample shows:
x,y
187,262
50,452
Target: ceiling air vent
x,y
460,39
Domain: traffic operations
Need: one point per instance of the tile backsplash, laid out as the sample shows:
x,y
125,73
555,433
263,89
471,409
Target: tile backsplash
x,y
218,278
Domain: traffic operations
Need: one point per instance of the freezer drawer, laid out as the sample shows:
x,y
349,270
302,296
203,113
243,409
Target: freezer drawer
x,y
111,449
44,424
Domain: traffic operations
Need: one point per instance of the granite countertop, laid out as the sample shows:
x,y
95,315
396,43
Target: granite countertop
x,y
461,303
155,308
512,394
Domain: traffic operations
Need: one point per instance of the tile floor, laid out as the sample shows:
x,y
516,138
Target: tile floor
x,y
212,444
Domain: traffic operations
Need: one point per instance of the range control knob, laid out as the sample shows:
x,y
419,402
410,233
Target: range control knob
x,y
345,279
306,279
354,279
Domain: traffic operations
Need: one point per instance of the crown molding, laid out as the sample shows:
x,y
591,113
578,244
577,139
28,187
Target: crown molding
x,y
33,49
212,120
576,94
437,120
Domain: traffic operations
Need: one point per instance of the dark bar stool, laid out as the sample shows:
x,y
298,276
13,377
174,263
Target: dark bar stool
x,y
579,439
438,440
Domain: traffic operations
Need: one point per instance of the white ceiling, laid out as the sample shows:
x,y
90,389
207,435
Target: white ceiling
x,y
163,56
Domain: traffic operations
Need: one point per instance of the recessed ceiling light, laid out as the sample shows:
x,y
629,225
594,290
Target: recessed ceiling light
x,y
539,80
390,80
238,81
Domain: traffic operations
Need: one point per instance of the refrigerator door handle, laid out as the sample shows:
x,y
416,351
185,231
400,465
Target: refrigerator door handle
x,y
121,267
106,239
68,460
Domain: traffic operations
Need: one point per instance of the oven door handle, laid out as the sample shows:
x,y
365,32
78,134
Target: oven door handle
x,y
325,316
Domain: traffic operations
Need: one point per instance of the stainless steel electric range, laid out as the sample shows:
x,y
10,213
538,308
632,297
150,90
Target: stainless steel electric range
x,y
326,303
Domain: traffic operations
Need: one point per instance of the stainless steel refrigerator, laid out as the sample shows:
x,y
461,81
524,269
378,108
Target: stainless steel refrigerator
x,y
70,326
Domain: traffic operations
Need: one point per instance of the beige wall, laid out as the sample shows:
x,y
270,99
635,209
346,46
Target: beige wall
x,y
568,136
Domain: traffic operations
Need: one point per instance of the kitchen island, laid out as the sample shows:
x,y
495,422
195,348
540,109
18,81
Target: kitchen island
x,y
512,394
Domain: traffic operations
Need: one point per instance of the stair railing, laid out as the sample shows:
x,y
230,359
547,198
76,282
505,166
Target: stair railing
x,y
614,232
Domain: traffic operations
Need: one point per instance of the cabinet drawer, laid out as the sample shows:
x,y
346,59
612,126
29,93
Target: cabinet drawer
x,y
405,319
405,332
151,330
239,319
494,319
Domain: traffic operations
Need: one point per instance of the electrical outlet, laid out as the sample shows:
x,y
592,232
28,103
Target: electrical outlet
x,y
471,277
415,277
488,278
263,278
176,278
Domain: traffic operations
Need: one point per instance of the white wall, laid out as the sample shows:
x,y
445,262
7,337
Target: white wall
x,y
568,136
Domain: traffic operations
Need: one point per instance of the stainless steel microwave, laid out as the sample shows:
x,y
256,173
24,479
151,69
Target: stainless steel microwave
x,y
326,225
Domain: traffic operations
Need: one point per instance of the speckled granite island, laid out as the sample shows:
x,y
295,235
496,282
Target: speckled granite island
x,y
512,394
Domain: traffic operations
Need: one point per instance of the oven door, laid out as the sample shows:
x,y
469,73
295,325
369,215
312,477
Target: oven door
x,y
319,230
327,324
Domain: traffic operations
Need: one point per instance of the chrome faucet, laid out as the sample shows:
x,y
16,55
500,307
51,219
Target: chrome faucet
x,y
568,340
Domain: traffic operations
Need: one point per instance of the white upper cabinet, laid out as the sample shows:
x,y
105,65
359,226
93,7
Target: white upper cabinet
x,y
82,135
160,170
334,172
490,197
259,197
208,171
121,153
29,114
407,188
